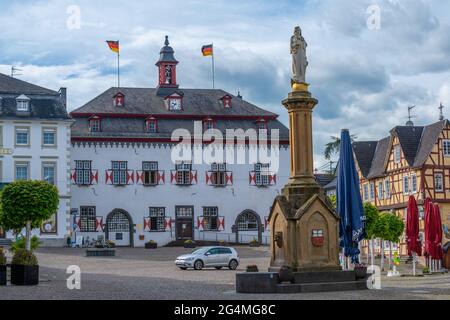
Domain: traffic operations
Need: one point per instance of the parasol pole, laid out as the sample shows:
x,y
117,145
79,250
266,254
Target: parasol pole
x,y
414,263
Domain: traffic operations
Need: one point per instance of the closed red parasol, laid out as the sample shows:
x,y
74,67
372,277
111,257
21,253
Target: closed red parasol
x,y
428,206
437,229
412,227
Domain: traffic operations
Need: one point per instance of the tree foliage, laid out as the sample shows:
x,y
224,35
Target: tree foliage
x,y
333,201
333,147
389,227
23,201
372,216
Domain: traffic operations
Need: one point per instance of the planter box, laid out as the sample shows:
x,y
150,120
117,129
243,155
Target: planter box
x,y
361,273
252,269
24,275
190,245
100,253
151,246
2,275
255,245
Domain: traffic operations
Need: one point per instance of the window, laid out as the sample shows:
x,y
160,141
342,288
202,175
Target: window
x,y
49,137
406,185
438,182
49,173
248,222
22,171
95,125
22,136
87,219
183,173
413,183
175,104
262,125
210,216
151,126
157,219
262,174
372,191
218,174
446,148
366,192
119,172
397,154
380,191
83,172
150,170
23,105
387,189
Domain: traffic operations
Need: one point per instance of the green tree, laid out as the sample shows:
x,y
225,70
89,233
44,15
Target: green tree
x,y
333,200
27,204
396,228
333,147
372,215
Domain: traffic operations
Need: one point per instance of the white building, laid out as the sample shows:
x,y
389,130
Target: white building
x,y
126,186
35,145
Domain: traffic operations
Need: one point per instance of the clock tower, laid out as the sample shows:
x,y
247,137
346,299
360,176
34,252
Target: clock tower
x,y
167,67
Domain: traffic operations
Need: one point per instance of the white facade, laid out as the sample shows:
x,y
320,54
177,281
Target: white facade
x,y
38,158
134,200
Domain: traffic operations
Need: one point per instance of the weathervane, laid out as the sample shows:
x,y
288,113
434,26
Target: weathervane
x,y
441,108
410,123
14,71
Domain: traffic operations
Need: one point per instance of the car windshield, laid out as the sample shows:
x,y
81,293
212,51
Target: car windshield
x,y
201,251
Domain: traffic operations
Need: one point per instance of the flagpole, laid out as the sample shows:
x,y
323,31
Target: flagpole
x,y
118,67
213,68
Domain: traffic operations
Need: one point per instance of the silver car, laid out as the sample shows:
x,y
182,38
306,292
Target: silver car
x,y
208,257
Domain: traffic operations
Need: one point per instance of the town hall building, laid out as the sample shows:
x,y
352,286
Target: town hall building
x,y
127,188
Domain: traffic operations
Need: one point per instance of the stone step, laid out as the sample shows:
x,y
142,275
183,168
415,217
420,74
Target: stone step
x,y
324,277
321,287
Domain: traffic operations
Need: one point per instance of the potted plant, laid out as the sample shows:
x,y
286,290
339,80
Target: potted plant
x,y
27,204
2,268
252,268
24,268
110,244
254,243
189,244
151,245
141,237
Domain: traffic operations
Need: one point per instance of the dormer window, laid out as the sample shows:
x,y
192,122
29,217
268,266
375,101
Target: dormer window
x,y
23,103
208,124
119,100
151,125
261,124
226,101
95,124
174,102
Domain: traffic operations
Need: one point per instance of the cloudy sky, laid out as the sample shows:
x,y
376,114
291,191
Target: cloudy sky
x,y
364,78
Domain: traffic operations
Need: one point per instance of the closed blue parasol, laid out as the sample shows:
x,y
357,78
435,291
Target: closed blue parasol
x,y
349,204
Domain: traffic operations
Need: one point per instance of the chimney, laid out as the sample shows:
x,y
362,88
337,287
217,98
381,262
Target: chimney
x,y
63,97
239,95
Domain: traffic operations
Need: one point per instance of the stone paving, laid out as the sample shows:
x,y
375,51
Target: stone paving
x,y
151,274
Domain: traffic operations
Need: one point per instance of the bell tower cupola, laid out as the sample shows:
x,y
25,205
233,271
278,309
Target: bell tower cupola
x,y
167,67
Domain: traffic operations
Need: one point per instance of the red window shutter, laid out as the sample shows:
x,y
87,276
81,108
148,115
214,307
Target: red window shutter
x,y
221,224
229,178
108,177
130,177
252,178
94,177
73,176
77,224
208,178
274,178
147,224
139,177
201,223
173,176
99,224
194,177
168,224
161,177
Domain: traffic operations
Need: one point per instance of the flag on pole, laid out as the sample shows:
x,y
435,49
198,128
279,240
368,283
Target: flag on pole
x,y
208,50
114,46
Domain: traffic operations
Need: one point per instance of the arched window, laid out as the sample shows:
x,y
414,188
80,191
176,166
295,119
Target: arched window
x,y
248,222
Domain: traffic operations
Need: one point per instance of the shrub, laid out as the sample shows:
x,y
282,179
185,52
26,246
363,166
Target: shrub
x,y
188,242
2,259
20,243
151,242
23,257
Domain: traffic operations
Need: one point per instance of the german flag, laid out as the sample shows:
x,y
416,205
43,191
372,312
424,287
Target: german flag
x,y
114,46
207,50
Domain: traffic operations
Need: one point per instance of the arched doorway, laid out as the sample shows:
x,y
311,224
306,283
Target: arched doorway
x,y
248,226
120,228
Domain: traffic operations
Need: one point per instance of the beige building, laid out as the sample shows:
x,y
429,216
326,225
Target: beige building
x,y
412,160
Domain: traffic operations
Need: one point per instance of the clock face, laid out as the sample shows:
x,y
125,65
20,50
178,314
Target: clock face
x,y
175,104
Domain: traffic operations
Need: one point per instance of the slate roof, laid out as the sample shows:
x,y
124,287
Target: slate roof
x,y
45,104
324,179
332,185
128,121
12,85
416,142
195,102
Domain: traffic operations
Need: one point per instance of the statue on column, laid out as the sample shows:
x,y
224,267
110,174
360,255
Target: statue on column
x,y
299,60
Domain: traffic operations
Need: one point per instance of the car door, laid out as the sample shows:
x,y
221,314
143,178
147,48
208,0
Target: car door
x,y
212,257
225,256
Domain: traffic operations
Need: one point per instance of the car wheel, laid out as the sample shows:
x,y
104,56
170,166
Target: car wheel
x,y
183,268
233,265
218,268
198,265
